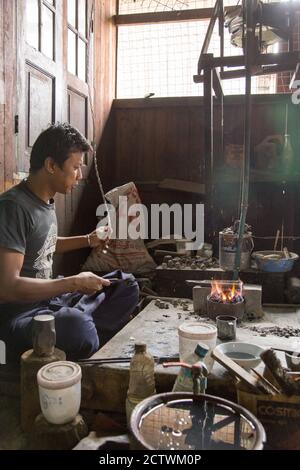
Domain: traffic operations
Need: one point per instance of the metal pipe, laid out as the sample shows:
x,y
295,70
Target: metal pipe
x,y
249,51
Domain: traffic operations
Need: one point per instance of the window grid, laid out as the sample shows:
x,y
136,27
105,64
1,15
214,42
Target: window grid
x,y
162,59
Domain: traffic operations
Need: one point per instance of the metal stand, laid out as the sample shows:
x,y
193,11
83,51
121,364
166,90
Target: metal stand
x,y
253,62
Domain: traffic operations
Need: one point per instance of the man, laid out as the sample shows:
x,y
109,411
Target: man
x,y
88,309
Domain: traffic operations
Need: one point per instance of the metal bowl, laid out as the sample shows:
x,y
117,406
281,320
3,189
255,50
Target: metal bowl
x,y
273,261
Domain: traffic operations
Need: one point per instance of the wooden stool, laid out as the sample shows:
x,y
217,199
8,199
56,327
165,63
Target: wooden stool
x,y
30,402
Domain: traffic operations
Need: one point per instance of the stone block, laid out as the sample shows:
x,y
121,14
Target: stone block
x,y
253,301
200,294
251,292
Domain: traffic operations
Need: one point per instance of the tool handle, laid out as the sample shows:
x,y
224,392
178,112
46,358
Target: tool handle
x,y
176,364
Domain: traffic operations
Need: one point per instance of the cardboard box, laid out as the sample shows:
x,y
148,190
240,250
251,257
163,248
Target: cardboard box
x,y
279,415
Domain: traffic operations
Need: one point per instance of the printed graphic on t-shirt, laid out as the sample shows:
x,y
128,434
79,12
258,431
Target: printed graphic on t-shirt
x,y
43,263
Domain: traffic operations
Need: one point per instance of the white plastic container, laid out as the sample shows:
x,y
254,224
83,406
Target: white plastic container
x,y
60,391
184,381
192,332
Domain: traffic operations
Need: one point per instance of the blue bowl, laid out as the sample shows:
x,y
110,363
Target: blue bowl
x,y
280,265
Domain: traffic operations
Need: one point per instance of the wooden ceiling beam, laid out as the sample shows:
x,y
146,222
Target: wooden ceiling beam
x,y
166,16
176,15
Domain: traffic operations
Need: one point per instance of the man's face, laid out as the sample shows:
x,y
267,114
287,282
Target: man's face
x,y
67,177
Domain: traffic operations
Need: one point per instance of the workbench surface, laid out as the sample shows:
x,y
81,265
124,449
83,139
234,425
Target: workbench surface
x,y
105,386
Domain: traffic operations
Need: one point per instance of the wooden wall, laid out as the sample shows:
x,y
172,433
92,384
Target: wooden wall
x,y
147,141
163,138
76,214
7,93
2,100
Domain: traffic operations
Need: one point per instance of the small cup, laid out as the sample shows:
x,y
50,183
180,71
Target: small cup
x,y
43,335
226,326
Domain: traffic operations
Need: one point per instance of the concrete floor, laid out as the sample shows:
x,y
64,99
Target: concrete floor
x,y
11,435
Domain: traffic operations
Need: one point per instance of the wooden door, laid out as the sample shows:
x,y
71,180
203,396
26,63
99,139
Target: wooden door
x,y
40,74
53,39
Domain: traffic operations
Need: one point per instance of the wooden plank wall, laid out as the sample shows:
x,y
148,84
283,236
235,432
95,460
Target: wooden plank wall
x,y
2,100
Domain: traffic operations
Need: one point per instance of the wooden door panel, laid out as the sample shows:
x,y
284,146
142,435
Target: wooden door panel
x,y
40,105
77,112
78,117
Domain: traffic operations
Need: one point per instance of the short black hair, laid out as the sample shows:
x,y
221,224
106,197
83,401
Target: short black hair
x,y
57,142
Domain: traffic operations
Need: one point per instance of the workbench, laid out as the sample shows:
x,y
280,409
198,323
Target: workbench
x,y
105,386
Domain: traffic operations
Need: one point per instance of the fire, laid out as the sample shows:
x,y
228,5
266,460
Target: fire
x,y
226,291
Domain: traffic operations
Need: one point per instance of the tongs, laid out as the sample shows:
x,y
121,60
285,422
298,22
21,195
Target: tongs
x,y
114,281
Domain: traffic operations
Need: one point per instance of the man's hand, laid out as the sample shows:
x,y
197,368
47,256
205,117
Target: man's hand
x,y
88,283
99,237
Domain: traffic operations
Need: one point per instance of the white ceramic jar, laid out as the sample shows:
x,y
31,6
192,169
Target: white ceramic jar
x,y
60,391
191,332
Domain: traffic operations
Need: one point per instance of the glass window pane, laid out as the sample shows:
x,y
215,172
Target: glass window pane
x,y
32,23
82,60
71,52
72,12
47,32
82,17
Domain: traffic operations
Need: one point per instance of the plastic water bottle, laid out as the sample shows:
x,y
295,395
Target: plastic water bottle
x,y
184,380
141,378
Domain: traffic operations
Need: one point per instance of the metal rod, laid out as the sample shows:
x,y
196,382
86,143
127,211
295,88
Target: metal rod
x,y
269,384
249,46
286,351
276,239
209,33
120,360
284,58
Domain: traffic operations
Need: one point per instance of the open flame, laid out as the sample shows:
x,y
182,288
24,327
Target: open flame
x,y
226,291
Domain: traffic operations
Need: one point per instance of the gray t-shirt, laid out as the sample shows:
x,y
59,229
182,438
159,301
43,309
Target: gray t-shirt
x,y
28,225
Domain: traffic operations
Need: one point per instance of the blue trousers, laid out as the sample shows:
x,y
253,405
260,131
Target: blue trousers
x,y
83,323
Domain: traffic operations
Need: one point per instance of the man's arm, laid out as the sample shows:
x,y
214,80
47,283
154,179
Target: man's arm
x,y
91,240
64,245
14,288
